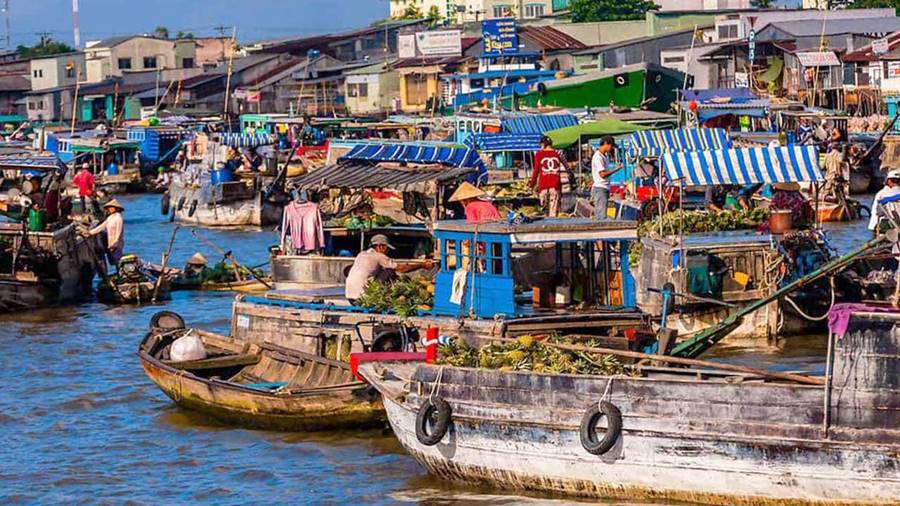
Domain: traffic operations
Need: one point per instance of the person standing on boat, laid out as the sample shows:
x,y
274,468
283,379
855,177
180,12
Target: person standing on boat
x,y
548,167
87,186
477,209
600,174
375,264
114,227
891,189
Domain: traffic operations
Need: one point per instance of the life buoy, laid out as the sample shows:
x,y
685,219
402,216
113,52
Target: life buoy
x,y
180,205
164,204
589,440
166,320
621,80
430,432
192,209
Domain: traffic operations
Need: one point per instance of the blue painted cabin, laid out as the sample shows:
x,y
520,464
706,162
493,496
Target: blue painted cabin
x,y
589,259
157,144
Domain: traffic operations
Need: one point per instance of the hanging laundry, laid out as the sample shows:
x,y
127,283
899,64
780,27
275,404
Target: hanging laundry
x,y
302,221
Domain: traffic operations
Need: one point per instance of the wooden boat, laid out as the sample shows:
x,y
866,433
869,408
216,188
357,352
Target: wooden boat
x,y
132,292
245,286
261,385
671,434
219,205
45,268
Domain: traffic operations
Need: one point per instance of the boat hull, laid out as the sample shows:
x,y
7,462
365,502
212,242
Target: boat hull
x,y
238,406
308,271
192,206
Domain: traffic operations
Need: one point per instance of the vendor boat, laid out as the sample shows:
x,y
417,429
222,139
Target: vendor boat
x,y
133,284
260,385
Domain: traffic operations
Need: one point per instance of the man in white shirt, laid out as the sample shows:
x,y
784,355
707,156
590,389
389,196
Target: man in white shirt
x,y
375,264
891,188
114,226
600,173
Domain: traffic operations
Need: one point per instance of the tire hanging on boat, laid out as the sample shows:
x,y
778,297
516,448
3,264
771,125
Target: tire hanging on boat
x,y
180,205
166,320
192,209
431,434
589,440
164,204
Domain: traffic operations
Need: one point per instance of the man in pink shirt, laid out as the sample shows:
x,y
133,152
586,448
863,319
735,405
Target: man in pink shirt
x,y
477,210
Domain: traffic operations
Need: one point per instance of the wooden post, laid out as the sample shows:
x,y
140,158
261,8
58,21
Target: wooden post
x,y
228,75
75,101
165,262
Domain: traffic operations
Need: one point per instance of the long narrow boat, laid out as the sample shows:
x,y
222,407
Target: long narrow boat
x,y
706,436
261,385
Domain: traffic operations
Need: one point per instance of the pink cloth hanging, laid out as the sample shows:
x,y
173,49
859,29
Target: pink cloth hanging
x,y
303,222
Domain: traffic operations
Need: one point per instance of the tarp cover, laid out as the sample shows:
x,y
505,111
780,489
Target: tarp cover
x,y
416,153
30,162
504,142
735,94
565,137
537,123
237,140
656,142
353,175
743,166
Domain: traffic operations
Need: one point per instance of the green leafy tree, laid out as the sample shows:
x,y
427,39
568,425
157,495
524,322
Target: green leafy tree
x,y
184,35
46,47
411,12
609,10
761,4
434,16
161,31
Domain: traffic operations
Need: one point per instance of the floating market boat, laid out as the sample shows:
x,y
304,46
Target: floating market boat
x,y
133,284
411,199
707,435
261,385
215,197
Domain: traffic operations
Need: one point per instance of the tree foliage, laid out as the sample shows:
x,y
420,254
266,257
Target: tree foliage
x,y
184,35
161,31
609,10
46,47
434,16
761,4
874,4
411,12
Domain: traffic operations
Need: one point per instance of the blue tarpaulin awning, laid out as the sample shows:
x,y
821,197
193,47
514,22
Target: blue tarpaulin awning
x,y
453,156
656,142
237,140
30,163
735,94
500,142
538,123
743,166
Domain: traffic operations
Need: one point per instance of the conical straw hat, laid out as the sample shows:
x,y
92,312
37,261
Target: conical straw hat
x,y
114,203
197,259
466,191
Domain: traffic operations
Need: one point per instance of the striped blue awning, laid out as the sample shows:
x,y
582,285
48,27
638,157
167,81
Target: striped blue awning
x,y
499,142
413,153
30,162
538,123
743,166
656,142
246,140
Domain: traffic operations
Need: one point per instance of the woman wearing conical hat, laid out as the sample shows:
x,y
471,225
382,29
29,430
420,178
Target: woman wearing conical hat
x,y
477,209
114,226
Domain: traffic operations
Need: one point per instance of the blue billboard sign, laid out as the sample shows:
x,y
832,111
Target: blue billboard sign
x,y
499,36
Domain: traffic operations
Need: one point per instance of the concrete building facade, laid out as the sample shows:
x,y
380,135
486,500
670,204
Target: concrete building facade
x,y
116,56
57,70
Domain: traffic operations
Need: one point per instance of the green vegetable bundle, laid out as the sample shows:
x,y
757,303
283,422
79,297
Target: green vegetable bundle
x,y
530,354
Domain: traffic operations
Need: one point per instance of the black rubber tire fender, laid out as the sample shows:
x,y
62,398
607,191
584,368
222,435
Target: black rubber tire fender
x,y
441,409
164,204
192,209
589,440
181,201
166,320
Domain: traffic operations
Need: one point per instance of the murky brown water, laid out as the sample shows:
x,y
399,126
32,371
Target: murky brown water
x,y
82,424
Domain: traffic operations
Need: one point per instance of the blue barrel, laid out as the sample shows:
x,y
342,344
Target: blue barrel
x,y
220,176
112,169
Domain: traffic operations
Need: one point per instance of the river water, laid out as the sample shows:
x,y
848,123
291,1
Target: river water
x,y
82,424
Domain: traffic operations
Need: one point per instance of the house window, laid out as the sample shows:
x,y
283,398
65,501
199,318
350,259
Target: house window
x,y
187,63
124,63
70,72
726,75
38,73
673,59
416,89
728,32
534,10
149,62
359,90
503,11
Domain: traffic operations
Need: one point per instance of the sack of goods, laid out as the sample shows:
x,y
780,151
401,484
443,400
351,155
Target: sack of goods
x,y
187,347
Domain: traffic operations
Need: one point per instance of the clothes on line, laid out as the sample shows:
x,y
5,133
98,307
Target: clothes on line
x,y
302,221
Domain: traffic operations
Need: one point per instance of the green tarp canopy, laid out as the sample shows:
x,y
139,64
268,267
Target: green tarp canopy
x,y
771,73
565,137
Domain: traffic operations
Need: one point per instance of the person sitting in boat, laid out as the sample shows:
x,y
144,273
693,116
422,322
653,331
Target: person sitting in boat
x,y
114,227
546,177
837,173
196,266
478,210
163,178
891,189
374,264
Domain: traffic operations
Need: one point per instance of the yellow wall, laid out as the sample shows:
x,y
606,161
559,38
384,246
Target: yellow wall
x,y
431,87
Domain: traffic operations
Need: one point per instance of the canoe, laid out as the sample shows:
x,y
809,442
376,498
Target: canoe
x,y
132,292
246,286
670,434
262,385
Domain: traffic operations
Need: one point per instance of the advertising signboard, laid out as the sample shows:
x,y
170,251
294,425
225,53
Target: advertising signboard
x,y
441,43
499,36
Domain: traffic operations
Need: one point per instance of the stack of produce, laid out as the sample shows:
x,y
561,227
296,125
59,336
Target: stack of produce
x,y
528,353
405,296
510,190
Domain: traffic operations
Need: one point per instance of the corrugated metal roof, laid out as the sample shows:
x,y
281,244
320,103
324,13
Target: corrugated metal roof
x,y
866,53
358,175
549,38
816,27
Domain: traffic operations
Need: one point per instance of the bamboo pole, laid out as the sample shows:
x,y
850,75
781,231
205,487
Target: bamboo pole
x,y
75,101
165,262
228,75
786,376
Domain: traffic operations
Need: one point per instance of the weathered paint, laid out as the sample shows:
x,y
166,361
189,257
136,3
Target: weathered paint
x,y
252,212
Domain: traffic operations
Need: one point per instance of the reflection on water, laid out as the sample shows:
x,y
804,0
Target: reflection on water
x,y
83,424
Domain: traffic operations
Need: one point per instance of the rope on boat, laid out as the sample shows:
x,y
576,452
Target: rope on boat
x,y
814,318
437,384
606,391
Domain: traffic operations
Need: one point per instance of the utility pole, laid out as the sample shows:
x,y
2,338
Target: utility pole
x,y
221,29
8,30
76,25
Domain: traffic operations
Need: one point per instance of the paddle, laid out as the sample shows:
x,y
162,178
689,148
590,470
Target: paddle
x,y
228,256
165,261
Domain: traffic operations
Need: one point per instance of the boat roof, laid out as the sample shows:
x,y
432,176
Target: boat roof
x,y
362,175
548,229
